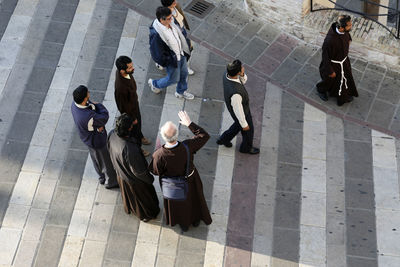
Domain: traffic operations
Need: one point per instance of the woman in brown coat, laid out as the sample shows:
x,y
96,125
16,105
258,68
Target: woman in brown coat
x,y
170,160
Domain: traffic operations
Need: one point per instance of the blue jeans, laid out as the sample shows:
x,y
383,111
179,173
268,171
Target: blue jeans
x,y
174,75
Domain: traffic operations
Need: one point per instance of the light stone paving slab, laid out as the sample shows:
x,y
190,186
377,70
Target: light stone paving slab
x,y
15,216
9,238
313,189
44,194
312,246
34,225
46,125
25,188
71,252
26,253
62,78
265,200
100,222
216,237
79,223
34,159
387,199
145,254
92,253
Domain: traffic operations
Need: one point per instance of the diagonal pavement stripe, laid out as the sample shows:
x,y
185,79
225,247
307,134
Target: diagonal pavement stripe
x,y
286,232
313,189
267,175
387,199
335,196
13,37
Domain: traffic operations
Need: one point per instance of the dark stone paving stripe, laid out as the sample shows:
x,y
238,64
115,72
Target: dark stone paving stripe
x,y
286,231
7,8
66,192
192,244
28,112
240,232
359,196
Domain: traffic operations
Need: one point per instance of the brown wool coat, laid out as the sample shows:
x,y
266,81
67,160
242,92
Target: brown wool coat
x,y
126,96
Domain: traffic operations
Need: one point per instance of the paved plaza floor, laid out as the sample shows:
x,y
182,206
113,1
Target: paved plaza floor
x,y
324,190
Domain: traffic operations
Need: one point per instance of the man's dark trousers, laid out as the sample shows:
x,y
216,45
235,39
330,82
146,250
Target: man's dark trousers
x,y
247,136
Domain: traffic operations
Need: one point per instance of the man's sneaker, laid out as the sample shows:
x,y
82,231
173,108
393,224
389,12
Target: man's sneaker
x,y
185,95
155,90
190,71
158,66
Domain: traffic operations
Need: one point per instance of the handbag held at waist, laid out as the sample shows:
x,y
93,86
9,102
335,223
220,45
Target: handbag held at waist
x,y
176,188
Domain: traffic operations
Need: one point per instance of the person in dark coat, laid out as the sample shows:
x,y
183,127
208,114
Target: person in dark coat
x,y
170,160
126,96
136,182
335,67
237,102
90,119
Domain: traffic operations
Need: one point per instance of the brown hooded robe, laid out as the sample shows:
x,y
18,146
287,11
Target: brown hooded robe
x,y
172,162
336,47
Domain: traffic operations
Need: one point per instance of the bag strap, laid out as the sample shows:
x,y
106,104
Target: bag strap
x,y
188,159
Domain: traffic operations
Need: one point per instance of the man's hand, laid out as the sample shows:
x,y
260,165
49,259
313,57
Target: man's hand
x,y
184,118
246,128
100,129
333,75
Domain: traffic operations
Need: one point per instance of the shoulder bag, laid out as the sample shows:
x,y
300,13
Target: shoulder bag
x,y
176,188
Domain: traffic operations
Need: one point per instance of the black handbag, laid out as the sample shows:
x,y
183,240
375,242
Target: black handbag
x,y
176,188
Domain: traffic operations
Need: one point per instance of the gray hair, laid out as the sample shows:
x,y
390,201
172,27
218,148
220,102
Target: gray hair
x,y
169,132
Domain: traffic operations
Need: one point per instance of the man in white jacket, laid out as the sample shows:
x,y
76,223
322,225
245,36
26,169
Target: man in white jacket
x,y
237,103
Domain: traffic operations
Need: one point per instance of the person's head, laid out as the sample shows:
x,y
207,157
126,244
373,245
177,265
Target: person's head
x,y
81,95
169,3
164,15
235,68
344,23
169,132
124,65
124,125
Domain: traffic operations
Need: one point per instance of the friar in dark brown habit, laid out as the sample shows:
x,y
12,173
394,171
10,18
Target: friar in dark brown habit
x,y
126,96
335,68
170,160
134,179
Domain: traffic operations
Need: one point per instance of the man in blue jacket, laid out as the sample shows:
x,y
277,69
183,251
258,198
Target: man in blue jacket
x,y
170,49
90,118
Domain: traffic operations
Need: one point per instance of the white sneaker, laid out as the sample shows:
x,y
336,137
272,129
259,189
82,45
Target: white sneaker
x,y
185,95
155,90
158,66
190,71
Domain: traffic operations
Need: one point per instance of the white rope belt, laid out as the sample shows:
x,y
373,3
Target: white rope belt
x,y
342,72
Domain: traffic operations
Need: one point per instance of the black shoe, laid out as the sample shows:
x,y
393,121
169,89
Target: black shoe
x,y
323,96
252,151
146,219
196,224
111,186
102,180
219,142
340,103
184,228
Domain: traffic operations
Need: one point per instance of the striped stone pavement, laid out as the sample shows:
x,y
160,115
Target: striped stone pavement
x,y
324,191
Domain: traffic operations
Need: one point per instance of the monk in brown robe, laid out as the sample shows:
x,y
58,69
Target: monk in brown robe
x,y
335,68
134,179
126,96
170,160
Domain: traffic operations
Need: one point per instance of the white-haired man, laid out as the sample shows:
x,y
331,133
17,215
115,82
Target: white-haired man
x,y
170,160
